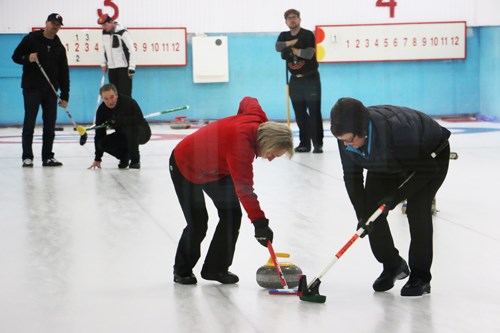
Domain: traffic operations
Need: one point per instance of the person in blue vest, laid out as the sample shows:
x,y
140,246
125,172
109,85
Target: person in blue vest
x,y
406,155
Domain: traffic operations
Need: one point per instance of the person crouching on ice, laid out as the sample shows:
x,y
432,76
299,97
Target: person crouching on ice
x,y
217,160
123,114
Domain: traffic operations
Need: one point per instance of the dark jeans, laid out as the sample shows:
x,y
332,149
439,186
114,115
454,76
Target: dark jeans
x,y
419,213
221,251
124,143
33,99
305,93
119,77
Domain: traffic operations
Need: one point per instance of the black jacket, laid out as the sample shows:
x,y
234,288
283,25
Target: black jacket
x,y
52,57
400,141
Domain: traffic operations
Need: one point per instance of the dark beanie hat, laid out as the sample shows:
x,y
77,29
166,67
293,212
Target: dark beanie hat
x,y
349,115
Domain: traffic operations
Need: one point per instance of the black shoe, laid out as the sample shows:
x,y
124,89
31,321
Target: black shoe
x,y
302,149
135,165
386,280
222,277
416,287
318,150
123,164
27,163
51,162
188,279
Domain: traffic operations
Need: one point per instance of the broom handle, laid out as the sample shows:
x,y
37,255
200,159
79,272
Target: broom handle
x,y
347,245
276,264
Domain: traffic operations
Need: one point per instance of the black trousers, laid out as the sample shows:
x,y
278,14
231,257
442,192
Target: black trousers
x,y
419,213
33,99
305,93
119,77
191,198
124,143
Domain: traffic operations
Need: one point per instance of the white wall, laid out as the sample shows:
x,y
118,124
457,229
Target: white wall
x,y
200,16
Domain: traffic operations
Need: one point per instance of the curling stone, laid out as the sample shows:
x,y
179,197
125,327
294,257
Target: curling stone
x,y
268,278
180,123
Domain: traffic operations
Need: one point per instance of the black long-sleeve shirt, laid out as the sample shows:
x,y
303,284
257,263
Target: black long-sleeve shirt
x,y
52,57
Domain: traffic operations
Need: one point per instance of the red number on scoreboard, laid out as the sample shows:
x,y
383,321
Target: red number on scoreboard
x,y
109,3
388,3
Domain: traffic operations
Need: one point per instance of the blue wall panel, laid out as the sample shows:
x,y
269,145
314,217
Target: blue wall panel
x,y
255,69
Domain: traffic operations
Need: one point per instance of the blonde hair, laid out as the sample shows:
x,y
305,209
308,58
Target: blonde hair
x,y
272,136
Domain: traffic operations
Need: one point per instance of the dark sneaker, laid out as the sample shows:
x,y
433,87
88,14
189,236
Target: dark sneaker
x,y
386,280
302,149
318,150
51,162
188,279
27,163
123,164
222,277
135,165
416,287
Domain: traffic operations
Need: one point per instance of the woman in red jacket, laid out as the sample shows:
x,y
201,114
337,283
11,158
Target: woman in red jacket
x,y
217,159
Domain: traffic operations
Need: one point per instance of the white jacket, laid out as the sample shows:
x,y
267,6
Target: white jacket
x,y
119,49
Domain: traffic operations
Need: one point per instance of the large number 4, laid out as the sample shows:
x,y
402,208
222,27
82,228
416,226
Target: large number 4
x,y
388,3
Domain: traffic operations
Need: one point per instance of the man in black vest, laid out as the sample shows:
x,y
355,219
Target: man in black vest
x,y
406,154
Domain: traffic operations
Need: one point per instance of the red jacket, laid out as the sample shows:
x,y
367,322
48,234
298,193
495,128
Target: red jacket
x,y
226,147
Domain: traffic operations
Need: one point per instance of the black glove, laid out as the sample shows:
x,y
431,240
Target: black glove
x,y
83,139
262,231
390,202
367,228
131,72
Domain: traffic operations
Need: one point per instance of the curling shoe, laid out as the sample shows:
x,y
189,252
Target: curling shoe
x,y
386,280
51,162
416,287
27,163
186,279
302,149
123,164
134,165
222,277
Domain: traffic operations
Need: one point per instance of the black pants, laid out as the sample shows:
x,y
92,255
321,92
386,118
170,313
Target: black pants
x,y
119,77
124,143
305,93
221,251
419,213
33,99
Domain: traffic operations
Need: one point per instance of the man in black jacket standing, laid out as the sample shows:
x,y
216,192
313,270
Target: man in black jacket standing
x,y
123,114
45,47
406,154
298,49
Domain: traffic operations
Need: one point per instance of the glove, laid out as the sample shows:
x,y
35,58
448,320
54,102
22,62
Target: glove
x,y
262,231
390,202
367,228
131,72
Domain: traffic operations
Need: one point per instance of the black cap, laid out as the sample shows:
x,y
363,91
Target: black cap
x,y
292,11
54,17
105,18
349,115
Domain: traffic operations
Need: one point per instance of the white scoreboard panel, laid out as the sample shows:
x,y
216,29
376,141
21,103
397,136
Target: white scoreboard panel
x,y
153,46
391,42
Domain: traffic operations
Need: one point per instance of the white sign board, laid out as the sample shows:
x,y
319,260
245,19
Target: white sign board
x,y
391,42
153,46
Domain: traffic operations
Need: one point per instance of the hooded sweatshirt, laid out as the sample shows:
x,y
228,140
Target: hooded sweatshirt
x,y
226,147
